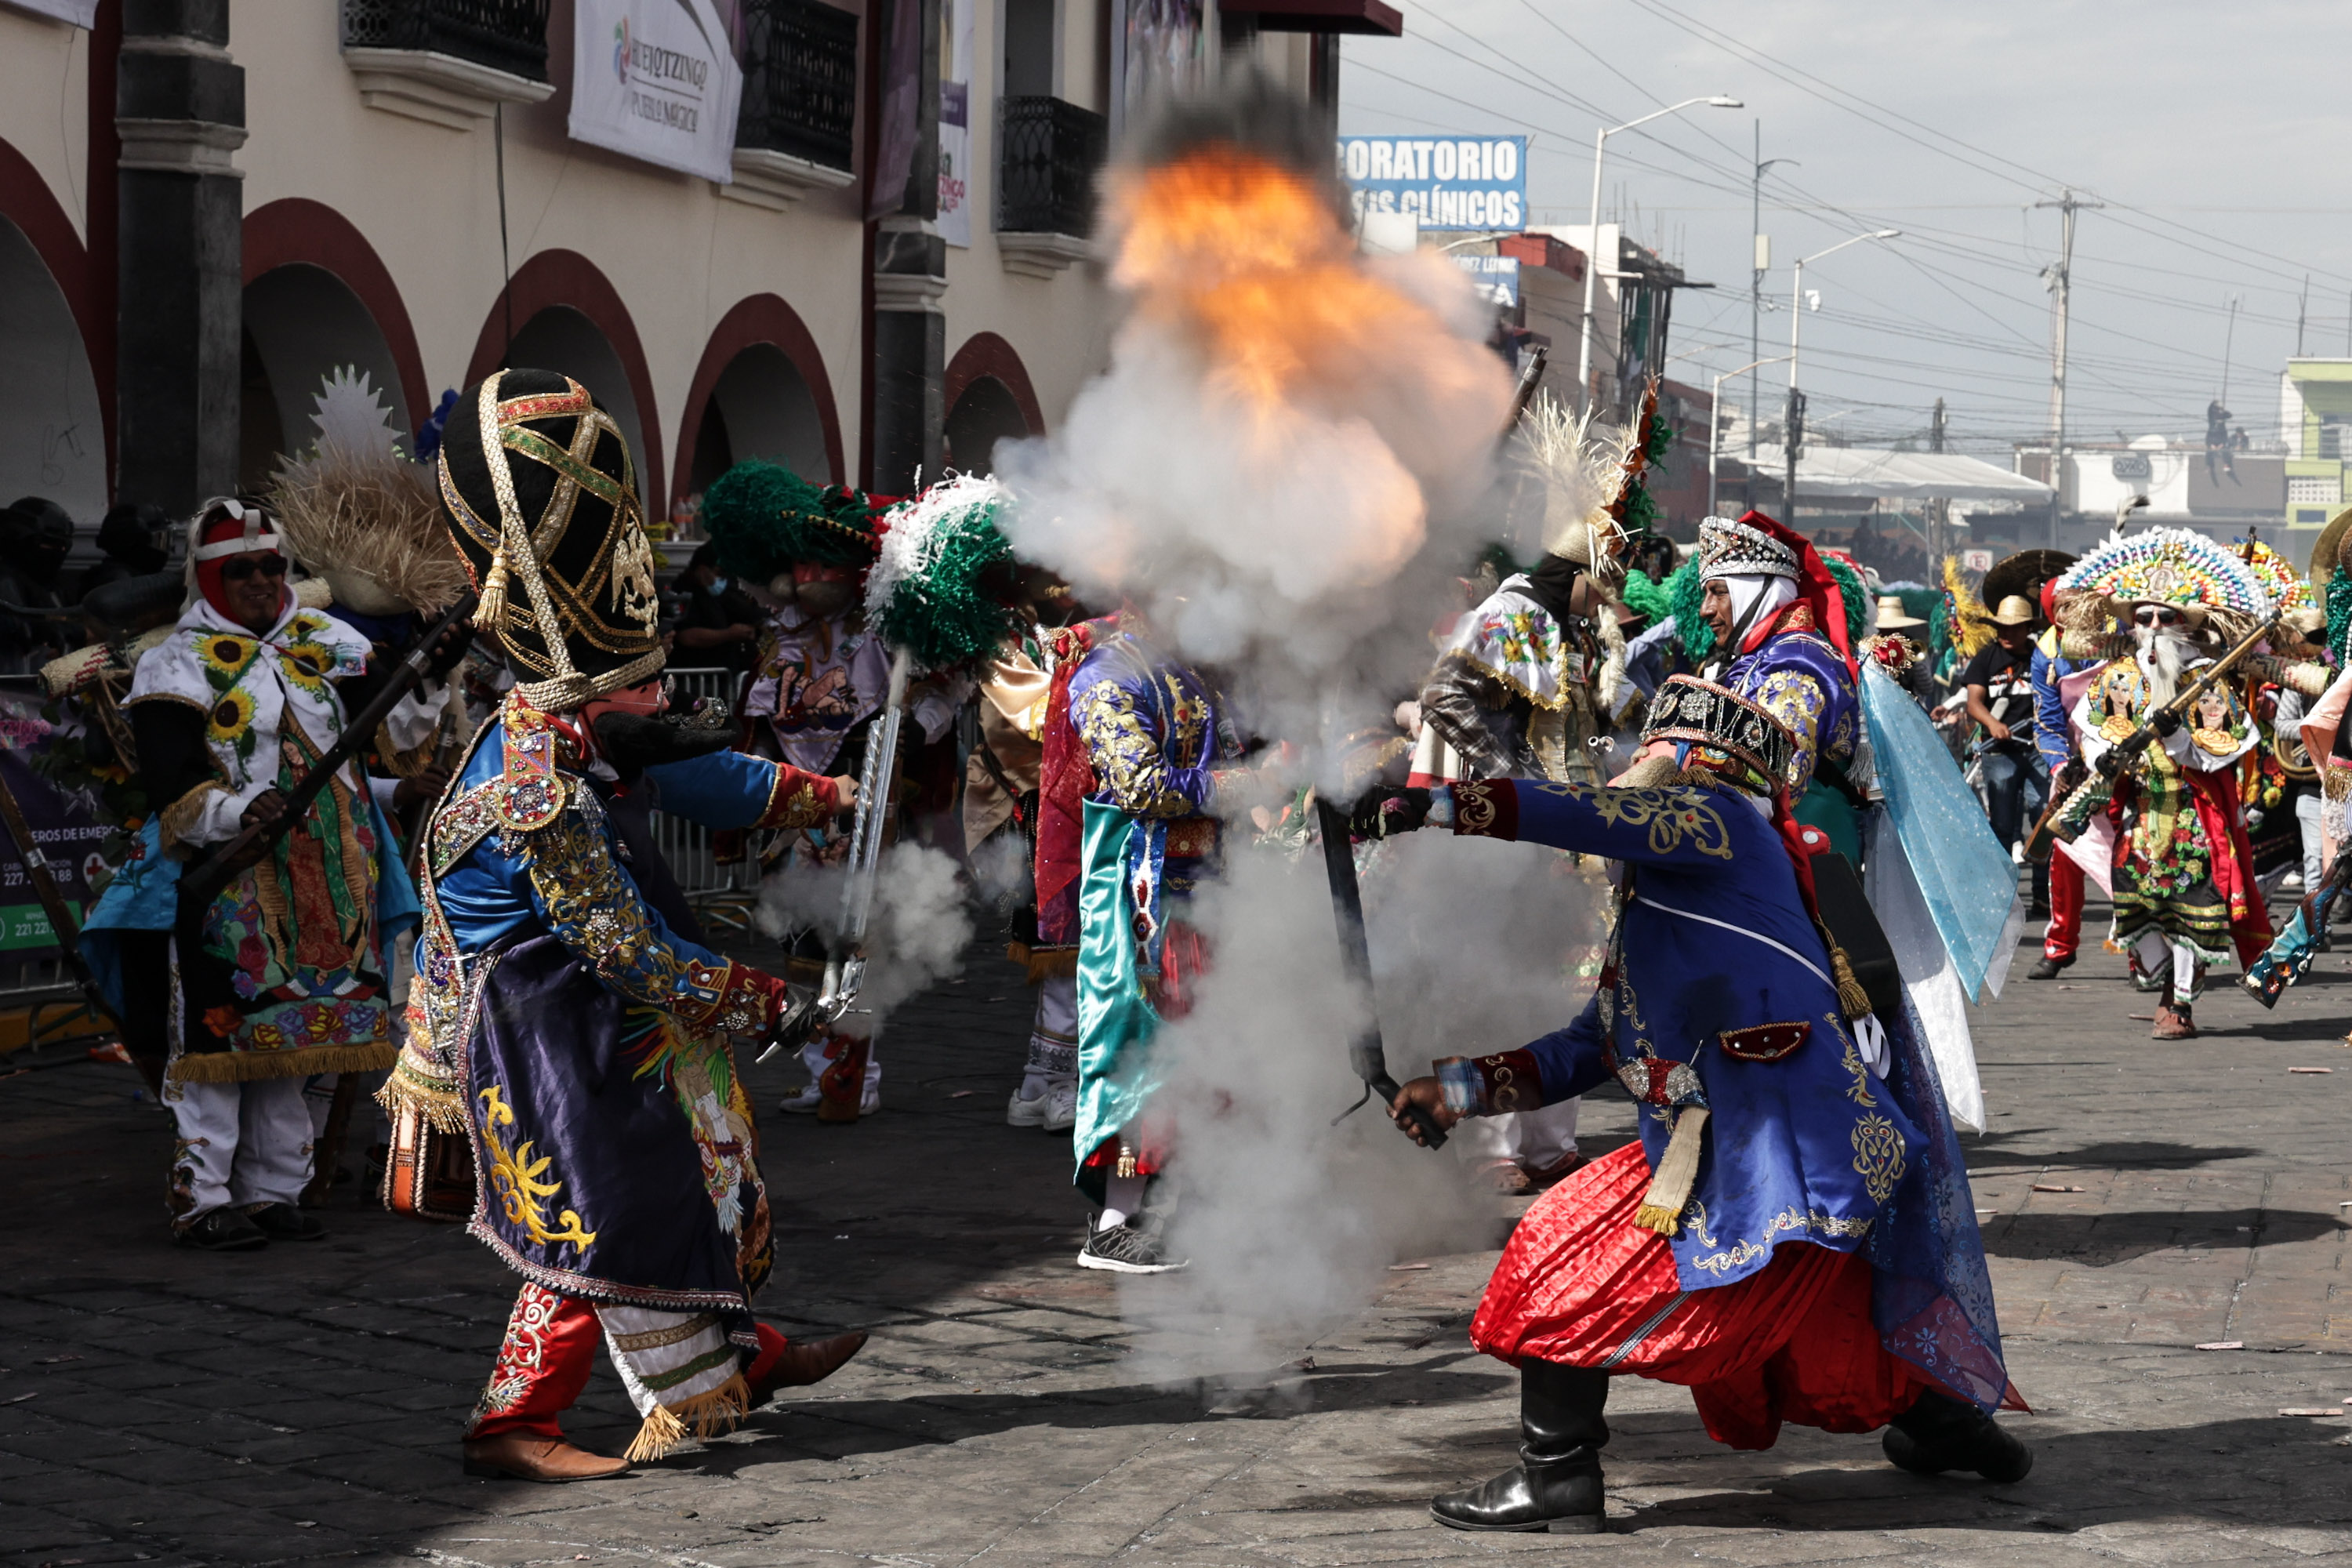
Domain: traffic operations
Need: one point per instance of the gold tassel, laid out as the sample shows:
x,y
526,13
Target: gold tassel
x,y
1670,1188
491,609
711,1415
1852,998
1126,1166
247,1066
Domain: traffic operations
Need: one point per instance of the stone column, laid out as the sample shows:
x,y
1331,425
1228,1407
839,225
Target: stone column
x,y
910,330
179,109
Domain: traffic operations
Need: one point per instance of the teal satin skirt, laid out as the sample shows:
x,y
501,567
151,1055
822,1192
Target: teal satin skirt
x,y
1117,1072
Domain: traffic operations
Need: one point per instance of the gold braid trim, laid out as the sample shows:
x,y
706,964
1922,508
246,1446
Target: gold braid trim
x,y
442,1110
250,1067
1677,1173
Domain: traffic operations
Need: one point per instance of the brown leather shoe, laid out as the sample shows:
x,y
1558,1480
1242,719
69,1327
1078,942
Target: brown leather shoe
x,y
2173,1024
806,1361
1505,1177
522,1456
1543,1178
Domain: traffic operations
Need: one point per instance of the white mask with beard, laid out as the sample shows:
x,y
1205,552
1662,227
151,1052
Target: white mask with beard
x,y
2165,652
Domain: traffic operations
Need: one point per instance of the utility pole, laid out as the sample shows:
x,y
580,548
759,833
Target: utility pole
x,y
1763,264
2061,279
1939,510
2302,309
2229,347
1793,444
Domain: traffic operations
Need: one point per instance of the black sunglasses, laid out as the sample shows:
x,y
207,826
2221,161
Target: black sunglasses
x,y
237,568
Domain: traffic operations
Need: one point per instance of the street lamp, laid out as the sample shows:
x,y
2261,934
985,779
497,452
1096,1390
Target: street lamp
x,y
1592,229
1714,417
1796,316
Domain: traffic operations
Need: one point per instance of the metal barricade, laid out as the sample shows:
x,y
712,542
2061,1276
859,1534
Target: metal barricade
x,y
723,896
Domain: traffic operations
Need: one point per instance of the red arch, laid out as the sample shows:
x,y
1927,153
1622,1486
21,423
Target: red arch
x,y
555,277
27,202
294,231
755,319
986,355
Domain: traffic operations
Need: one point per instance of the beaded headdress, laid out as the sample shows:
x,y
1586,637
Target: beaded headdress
x,y
2170,566
542,502
1730,548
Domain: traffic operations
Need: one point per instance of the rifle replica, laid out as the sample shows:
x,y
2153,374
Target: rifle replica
x,y
2117,758
202,882
844,962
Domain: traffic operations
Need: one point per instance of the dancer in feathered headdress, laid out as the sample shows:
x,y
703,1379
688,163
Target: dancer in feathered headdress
x,y
1531,681
2182,871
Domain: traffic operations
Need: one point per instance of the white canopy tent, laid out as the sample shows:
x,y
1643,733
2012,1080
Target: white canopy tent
x,y
1857,473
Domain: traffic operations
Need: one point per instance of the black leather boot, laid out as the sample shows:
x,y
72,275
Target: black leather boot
x,y
1555,1484
1940,1432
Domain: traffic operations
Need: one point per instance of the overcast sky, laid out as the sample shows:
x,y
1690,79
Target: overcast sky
x,y
2211,130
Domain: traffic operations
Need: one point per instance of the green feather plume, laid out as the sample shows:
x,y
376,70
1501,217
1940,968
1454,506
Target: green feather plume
x,y
925,594
1856,598
2339,613
1645,597
1682,594
765,518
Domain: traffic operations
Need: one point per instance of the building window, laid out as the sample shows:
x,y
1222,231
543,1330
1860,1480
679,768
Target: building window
x,y
2314,489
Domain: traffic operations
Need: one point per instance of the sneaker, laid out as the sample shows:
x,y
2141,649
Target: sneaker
x,y
1061,1109
284,1222
1020,1112
222,1230
804,1103
1128,1249
2049,968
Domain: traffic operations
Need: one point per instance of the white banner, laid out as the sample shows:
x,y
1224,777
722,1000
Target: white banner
x,y
955,121
81,13
656,79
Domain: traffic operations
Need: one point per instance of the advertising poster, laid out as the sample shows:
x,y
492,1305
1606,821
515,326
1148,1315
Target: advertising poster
x,y
656,80
955,121
1447,182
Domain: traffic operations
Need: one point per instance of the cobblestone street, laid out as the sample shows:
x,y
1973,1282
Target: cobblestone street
x,y
2165,1222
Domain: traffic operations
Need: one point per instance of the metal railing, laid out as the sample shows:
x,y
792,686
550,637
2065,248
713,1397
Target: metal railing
x,y
510,36
722,895
800,80
1049,152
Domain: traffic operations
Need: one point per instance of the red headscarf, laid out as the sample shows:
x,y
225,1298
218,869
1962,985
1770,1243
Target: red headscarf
x,y
1815,586
233,530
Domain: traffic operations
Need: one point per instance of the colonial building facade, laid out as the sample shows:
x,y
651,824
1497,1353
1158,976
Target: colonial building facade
x,y
199,220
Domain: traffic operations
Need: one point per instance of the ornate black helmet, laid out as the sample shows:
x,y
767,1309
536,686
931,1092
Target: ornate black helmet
x,y
542,503
1688,709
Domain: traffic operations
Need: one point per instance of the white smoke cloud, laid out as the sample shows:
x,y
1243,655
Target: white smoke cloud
x,y
1299,533
915,936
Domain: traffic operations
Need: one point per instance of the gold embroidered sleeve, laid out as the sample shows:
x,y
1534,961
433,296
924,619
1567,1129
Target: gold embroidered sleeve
x,y
589,903
1797,699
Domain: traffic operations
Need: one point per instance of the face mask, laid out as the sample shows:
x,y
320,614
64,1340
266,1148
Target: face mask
x,y
718,585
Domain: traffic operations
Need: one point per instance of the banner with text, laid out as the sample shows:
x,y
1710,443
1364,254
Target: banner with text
x,y
656,80
1448,182
1496,278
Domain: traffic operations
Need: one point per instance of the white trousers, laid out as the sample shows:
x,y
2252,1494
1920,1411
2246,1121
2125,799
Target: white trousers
x,y
1533,1138
1054,1034
242,1143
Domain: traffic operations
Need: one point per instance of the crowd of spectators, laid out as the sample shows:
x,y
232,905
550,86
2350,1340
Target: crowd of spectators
x,y
40,596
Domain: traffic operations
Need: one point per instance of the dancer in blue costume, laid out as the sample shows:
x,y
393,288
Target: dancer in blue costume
x,y
1793,1236
1781,641
560,1019
1153,730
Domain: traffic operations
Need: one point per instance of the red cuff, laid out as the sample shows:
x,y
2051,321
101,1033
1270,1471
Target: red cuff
x,y
1487,807
1513,1081
735,999
799,799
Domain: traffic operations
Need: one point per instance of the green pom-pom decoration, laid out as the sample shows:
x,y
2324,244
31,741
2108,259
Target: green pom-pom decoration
x,y
1646,598
925,594
765,518
1684,594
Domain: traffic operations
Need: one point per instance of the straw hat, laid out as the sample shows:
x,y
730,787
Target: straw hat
x,y
1893,616
2016,610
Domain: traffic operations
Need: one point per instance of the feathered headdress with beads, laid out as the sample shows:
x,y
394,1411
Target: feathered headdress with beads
x,y
1967,626
2172,566
925,593
356,512
1595,498
2276,573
